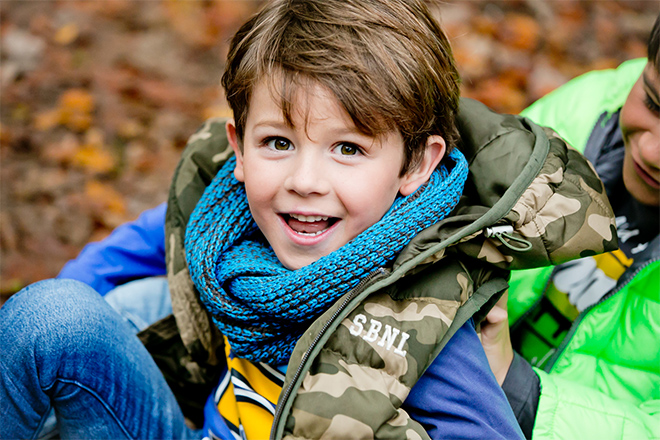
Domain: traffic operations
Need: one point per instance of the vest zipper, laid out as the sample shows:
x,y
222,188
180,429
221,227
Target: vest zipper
x,y
286,393
578,320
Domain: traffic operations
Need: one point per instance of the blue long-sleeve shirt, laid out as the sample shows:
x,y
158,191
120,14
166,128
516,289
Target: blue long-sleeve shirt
x,y
458,397
132,251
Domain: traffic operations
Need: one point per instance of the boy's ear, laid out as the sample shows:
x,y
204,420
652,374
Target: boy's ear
x,y
230,126
435,151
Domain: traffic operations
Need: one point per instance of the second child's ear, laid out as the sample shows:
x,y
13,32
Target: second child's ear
x,y
230,126
435,151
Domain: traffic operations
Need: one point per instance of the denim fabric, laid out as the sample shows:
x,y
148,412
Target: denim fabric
x,y
64,347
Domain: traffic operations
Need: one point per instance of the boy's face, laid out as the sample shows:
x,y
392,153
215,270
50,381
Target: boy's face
x,y
314,187
640,125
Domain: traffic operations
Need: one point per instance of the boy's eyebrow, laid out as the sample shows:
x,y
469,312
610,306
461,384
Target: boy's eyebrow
x,y
280,124
350,131
271,123
651,90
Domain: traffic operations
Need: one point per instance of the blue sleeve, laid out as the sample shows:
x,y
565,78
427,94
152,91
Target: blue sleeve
x,y
134,250
458,396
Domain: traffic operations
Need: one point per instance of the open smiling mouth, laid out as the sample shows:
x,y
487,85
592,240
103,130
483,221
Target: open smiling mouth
x,y
309,225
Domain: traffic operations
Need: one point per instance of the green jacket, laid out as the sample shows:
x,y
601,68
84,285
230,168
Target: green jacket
x,y
448,273
604,380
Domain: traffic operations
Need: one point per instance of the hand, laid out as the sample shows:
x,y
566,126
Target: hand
x,y
496,339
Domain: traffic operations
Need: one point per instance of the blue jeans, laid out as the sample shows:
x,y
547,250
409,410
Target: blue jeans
x,y
63,347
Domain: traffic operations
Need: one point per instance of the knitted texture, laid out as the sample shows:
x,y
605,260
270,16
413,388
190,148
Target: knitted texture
x,y
261,306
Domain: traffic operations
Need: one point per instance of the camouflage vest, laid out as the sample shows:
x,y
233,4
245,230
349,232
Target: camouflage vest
x,y
529,201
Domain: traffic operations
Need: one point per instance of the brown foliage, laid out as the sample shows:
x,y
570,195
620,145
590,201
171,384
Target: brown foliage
x,y
99,97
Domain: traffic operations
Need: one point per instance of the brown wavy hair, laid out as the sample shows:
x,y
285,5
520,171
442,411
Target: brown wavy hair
x,y
388,63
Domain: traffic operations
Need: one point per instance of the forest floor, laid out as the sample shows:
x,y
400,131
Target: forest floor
x,y
98,98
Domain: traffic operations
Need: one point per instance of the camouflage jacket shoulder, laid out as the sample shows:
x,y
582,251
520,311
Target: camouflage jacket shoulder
x,y
529,201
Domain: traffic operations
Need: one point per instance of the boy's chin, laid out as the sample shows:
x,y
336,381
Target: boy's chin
x,y
295,262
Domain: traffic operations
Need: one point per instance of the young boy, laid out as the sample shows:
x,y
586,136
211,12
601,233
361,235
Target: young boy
x,y
590,327
318,281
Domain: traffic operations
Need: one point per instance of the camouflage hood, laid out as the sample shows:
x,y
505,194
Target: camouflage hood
x,y
529,201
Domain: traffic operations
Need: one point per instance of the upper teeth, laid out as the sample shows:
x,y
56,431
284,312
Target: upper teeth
x,y
308,218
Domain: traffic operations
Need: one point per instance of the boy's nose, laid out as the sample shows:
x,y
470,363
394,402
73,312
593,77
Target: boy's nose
x,y
306,176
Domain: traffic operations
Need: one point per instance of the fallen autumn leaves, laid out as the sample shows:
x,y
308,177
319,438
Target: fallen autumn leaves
x,y
98,98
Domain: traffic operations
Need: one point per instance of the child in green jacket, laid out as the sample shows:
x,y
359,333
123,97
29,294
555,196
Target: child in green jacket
x,y
589,328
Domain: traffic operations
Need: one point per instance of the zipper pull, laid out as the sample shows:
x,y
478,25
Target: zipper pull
x,y
504,231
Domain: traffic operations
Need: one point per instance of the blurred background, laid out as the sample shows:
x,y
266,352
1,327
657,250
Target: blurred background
x,y
97,98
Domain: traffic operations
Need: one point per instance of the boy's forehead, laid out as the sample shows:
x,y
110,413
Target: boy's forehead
x,y
310,103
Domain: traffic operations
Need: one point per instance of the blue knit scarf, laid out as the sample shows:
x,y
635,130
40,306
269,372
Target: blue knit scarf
x,y
262,307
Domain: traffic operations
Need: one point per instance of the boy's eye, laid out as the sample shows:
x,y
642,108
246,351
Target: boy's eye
x,y
347,149
279,143
651,105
